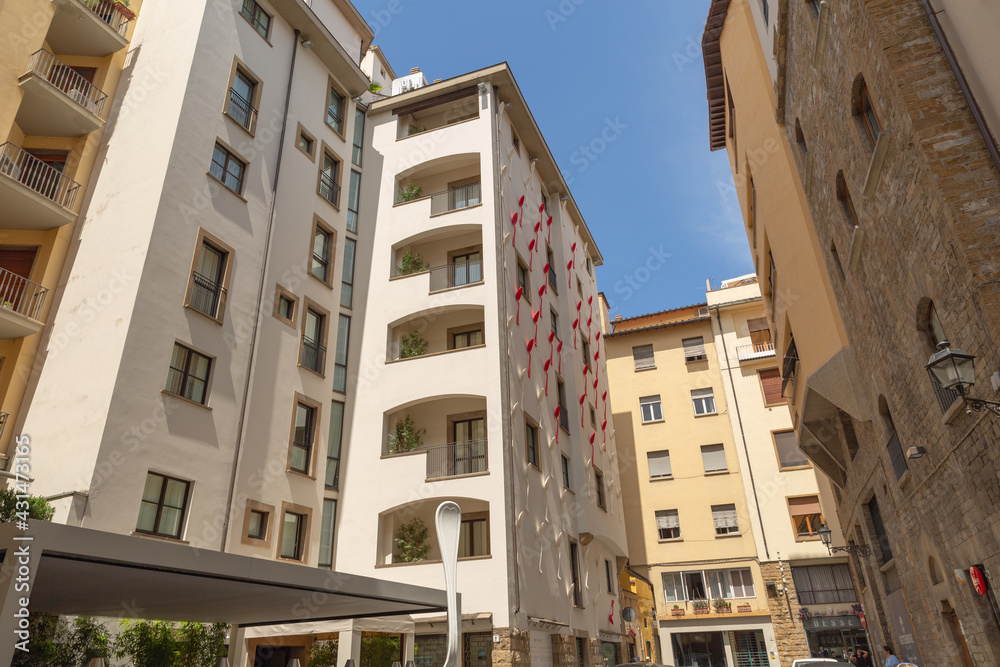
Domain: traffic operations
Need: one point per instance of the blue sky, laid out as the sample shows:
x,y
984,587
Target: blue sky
x,y
584,65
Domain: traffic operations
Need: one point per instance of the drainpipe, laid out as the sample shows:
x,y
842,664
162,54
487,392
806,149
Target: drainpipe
x,y
260,300
743,435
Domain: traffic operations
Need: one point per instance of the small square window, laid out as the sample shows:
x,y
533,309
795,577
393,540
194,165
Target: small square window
x,y
305,142
188,374
286,307
659,464
228,169
668,525
257,17
725,520
257,526
714,458
642,357
694,349
703,400
650,408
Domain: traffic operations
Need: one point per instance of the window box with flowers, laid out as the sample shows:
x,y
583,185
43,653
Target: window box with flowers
x,y
700,607
721,606
677,611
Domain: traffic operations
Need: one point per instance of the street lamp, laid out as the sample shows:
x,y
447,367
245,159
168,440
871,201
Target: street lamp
x,y
826,536
956,369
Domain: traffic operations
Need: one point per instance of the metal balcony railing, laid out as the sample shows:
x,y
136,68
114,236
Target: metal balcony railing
x,y
456,198
109,13
207,295
945,397
313,354
329,189
21,295
31,172
456,458
242,111
456,274
68,80
755,351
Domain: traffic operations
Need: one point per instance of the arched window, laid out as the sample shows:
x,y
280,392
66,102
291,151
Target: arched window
x,y
844,195
863,109
932,333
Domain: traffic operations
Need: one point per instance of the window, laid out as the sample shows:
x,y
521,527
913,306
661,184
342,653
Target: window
x,y
642,357
589,265
531,444
896,455
333,445
359,136
752,215
303,438
563,410
285,305
257,525
257,17
207,292
326,533
766,11
694,584
824,584
806,516
188,374
524,280
554,322
340,362
599,488
772,280
474,537
293,535
467,339
164,501
668,525
742,583
228,169
878,530
335,110
703,400
242,98
305,142
313,355
347,286
329,179
694,349
553,279
770,386
463,195
353,197
466,269
515,142
659,464
649,407
574,570
585,349
714,458
760,332
732,121
790,456
725,520
579,288
846,202
565,472
609,575
673,587
322,251
868,115
593,417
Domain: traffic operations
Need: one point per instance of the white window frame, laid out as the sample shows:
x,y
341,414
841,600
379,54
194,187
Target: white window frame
x,y
655,409
717,510
705,399
668,517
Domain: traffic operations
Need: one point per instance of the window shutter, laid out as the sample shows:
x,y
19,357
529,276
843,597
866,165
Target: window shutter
x,y
725,516
667,519
803,506
759,324
694,348
770,382
659,464
642,355
789,454
714,458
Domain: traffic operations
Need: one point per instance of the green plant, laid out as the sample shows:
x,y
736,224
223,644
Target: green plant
x,y
412,345
676,607
410,541
405,437
720,604
414,129
379,650
147,643
199,644
700,604
373,87
408,193
323,654
411,263
38,507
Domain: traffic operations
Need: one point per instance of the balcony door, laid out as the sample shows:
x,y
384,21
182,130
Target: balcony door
x,y
44,173
469,453
16,264
466,269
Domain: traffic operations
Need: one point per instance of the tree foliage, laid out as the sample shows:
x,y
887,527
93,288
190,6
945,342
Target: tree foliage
x,y
411,538
38,507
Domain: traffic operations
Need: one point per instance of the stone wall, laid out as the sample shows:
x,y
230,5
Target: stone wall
x,y
789,633
431,650
513,649
563,651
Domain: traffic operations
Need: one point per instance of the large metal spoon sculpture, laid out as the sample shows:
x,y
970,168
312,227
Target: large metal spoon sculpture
x,y
448,521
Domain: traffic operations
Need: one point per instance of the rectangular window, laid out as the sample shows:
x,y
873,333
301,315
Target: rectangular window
x,y
593,417
824,584
340,363
329,180
335,110
806,516
770,385
188,374
694,349
585,349
303,438
553,278
228,169
523,280
463,196
322,252
242,95
164,501
724,517
554,322
668,524
896,455
359,136
673,587
742,582
609,575
694,584
703,400
515,142
347,286
474,537
759,330
589,266
790,456
257,17
531,444
333,445
467,339
292,535
574,571
313,354
326,533
207,291
565,472
257,525
305,142
650,408
659,464
719,585
642,357
599,487
714,458
879,531
353,197
563,410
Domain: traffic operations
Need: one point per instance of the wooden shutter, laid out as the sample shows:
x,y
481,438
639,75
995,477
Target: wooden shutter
x,y
18,261
642,355
694,348
759,330
667,519
770,384
804,505
724,516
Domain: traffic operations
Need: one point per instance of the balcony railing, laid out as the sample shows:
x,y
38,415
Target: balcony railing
x,y
21,295
456,458
33,173
455,199
329,189
755,351
3,421
68,80
313,354
456,274
242,111
206,295
109,13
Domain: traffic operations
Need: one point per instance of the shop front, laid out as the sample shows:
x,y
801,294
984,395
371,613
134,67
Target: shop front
x,y
835,636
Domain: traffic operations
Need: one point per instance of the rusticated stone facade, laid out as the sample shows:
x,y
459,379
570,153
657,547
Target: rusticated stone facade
x,y
789,634
563,651
513,649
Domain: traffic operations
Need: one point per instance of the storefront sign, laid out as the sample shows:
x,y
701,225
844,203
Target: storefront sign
x,y
901,625
978,580
832,622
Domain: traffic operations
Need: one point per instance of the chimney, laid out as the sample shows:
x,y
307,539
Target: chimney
x,y
618,318
414,70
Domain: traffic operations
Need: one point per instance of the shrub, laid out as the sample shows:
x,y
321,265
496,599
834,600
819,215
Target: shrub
x,y
410,540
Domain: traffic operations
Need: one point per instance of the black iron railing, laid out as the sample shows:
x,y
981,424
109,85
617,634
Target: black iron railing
x,y
313,354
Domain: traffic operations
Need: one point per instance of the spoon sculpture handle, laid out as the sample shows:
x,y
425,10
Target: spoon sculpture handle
x,y
448,521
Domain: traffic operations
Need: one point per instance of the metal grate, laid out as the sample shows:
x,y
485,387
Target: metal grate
x,y
749,649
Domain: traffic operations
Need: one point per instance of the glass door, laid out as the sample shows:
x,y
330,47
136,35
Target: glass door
x,y
468,455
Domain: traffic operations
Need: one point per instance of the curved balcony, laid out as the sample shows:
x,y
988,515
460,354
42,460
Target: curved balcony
x,y
33,194
450,328
474,537
57,100
450,431
88,27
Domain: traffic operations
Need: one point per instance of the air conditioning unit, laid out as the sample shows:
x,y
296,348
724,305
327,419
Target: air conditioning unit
x,y
703,311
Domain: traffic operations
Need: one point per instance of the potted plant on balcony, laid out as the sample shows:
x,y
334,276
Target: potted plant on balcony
x,y
721,606
374,87
405,437
411,542
700,607
123,9
408,193
411,263
744,608
412,345
676,611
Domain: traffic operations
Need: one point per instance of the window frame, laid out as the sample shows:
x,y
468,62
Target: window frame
x,y
303,132
256,6
332,85
866,103
205,238
337,179
522,269
344,340
358,149
159,507
567,475
763,394
805,572
669,475
348,270
305,528
231,156
551,276
608,570
307,305
532,452
777,453
721,448
659,534
602,502
658,402
472,518
332,455
333,533
690,359
728,532
574,572
279,293
561,401
240,67
262,508
317,420
814,535
319,223
636,361
187,366
704,399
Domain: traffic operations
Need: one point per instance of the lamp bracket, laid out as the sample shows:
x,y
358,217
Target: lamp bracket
x,y
977,405
854,549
